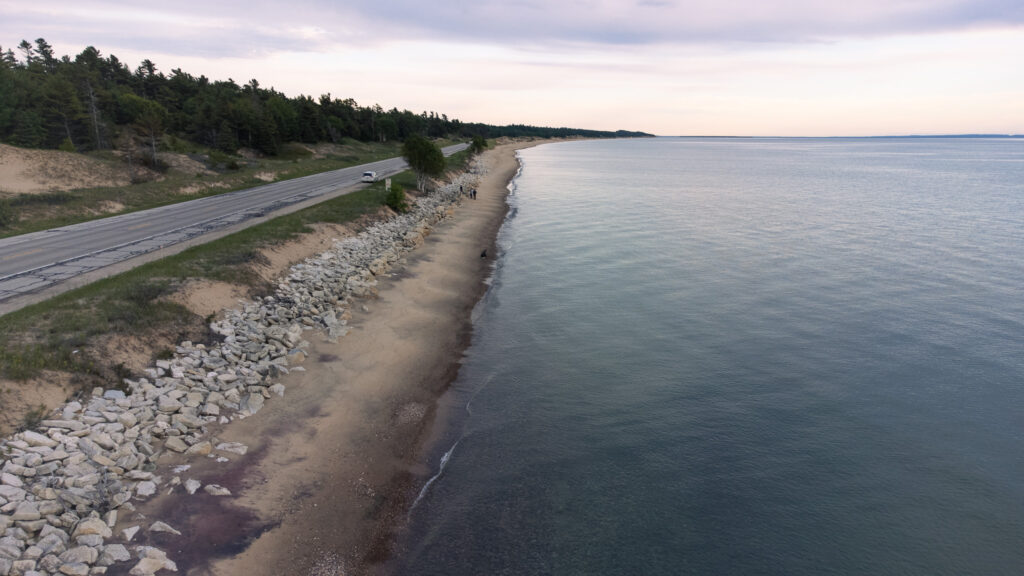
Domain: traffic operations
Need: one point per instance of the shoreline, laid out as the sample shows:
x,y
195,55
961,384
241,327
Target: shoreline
x,y
331,472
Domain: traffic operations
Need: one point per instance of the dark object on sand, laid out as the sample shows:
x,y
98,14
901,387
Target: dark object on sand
x,y
484,253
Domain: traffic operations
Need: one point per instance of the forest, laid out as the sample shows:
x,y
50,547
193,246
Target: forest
x,y
96,102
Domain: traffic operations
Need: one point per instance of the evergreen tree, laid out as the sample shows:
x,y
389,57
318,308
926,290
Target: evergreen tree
x,y
28,129
45,54
90,99
62,109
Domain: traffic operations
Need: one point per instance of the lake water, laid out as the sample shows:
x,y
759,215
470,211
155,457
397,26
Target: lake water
x,y
743,356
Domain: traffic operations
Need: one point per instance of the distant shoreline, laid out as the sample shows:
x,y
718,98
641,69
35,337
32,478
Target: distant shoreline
x,y
883,137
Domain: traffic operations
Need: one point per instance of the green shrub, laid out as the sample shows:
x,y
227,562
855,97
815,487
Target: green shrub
x,y
55,198
8,214
478,145
33,417
142,293
67,145
174,144
293,151
216,158
396,199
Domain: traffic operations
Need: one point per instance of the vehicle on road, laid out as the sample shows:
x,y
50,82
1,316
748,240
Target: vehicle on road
x,y
369,176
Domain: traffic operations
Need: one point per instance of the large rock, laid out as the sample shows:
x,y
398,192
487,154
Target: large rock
x,y
11,548
151,561
11,493
159,526
177,444
114,553
26,511
127,419
168,405
66,424
251,403
200,448
191,485
50,563
37,439
23,567
216,490
92,526
75,569
233,447
187,420
80,555
146,488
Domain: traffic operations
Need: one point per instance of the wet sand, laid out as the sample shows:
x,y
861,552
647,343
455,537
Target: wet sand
x,y
332,468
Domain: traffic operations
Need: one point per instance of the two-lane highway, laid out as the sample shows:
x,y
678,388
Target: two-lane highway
x,y
32,262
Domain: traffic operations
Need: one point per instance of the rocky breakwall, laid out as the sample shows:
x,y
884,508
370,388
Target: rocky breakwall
x,y
63,486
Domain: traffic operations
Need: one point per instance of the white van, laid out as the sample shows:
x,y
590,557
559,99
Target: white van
x,y
370,176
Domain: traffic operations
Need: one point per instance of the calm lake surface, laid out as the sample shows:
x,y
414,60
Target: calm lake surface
x,y
743,356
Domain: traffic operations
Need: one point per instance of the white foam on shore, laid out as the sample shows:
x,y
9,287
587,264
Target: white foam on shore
x,y
440,470
477,309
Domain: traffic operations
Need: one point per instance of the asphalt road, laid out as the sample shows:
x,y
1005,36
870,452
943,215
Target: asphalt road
x,y
32,262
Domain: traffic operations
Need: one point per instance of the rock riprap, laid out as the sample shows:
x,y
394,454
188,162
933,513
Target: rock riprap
x,y
63,485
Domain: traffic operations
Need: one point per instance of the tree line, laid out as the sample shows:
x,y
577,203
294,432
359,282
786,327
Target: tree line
x,y
96,102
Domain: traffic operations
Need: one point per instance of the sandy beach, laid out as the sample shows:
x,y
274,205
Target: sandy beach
x,y
331,467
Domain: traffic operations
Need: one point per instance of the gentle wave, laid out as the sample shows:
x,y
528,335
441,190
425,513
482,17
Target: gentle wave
x,y
440,470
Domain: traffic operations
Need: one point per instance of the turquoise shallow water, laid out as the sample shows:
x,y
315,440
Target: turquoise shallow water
x,y
757,356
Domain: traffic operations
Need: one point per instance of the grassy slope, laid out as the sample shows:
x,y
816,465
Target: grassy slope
x,y
55,334
43,211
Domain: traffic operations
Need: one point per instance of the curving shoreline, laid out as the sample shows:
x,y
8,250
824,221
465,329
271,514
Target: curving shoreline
x,y
176,475
113,482
344,460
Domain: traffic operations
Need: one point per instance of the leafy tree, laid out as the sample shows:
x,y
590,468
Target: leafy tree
x,y
478,145
147,116
226,137
424,157
387,129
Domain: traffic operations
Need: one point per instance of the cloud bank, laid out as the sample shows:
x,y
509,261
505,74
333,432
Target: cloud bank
x,y
247,29
686,21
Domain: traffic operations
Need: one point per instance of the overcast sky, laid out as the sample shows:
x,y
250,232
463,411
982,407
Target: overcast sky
x,y
686,67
